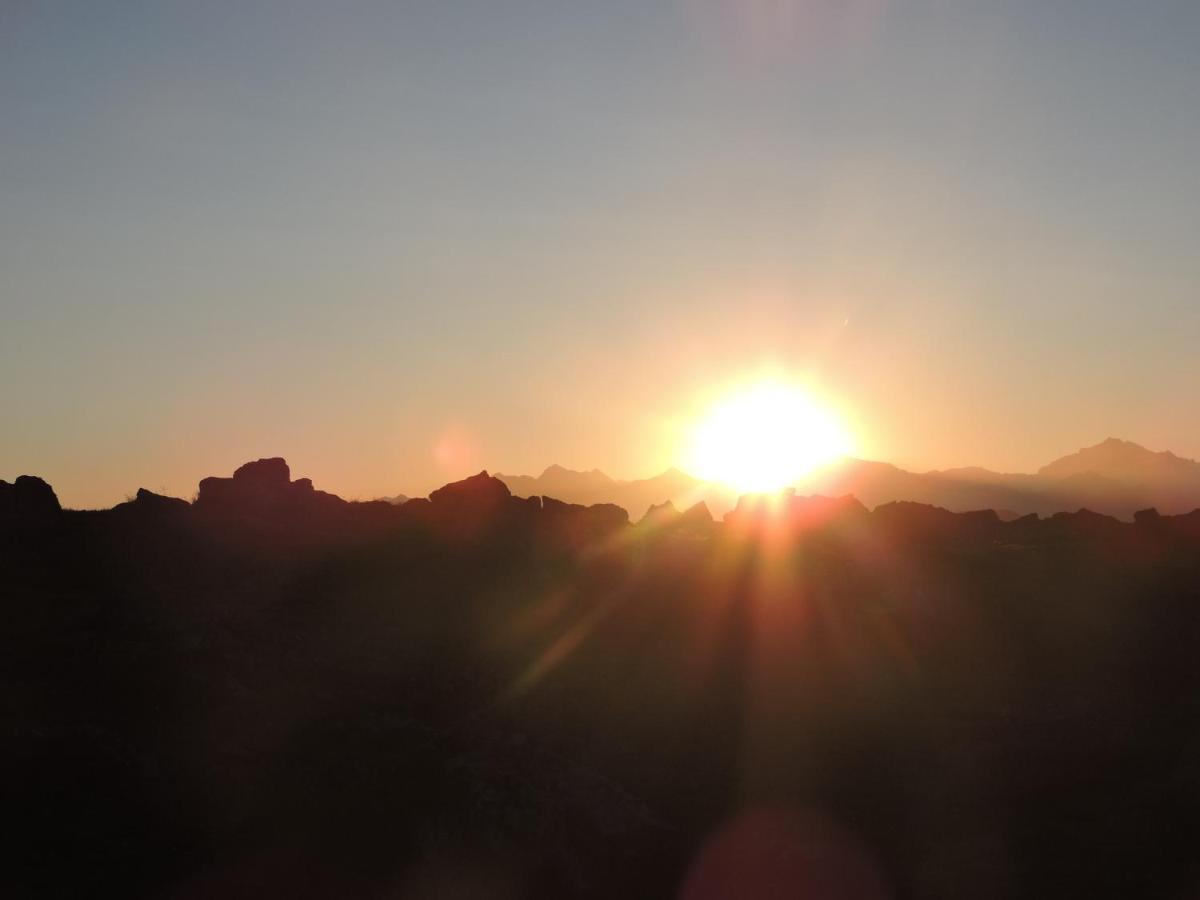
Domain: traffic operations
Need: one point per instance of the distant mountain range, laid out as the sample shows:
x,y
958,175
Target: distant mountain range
x,y
1114,477
636,497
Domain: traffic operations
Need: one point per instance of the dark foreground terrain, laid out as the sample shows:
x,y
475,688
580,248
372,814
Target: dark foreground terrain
x,y
271,692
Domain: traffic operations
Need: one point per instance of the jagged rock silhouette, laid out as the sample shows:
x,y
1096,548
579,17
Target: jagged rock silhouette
x,y
1114,477
28,502
273,690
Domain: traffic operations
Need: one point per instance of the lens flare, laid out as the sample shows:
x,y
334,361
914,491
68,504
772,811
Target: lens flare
x,y
765,437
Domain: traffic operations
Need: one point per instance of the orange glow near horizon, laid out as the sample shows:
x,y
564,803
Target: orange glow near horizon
x,y
764,437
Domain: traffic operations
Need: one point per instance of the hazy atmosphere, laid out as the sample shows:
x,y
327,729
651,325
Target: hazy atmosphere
x,y
403,242
698,449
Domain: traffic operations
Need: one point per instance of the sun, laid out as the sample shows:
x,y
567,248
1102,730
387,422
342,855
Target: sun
x,y
765,437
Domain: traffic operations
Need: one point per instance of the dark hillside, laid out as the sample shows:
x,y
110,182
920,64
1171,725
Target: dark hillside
x,y
274,692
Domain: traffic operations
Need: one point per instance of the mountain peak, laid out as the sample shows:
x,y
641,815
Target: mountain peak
x,y
479,488
1124,461
28,500
555,472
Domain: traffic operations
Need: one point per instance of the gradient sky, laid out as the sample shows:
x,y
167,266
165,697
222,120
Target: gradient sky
x,y
399,242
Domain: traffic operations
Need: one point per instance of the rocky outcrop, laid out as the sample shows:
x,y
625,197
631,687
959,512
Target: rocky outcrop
x,y
264,488
28,502
479,492
664,518
1149,518
919,522
697,517
475,506
148,503
262,481
662,515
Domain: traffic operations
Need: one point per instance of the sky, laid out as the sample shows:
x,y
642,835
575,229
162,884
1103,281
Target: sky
x,y
400,242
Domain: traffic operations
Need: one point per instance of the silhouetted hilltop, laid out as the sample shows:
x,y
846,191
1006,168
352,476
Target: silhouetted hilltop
x,y
261,501
479,493
28,502
264,485
263,491
275,692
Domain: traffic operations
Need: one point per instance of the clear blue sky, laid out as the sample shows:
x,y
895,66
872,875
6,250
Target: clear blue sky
x,y
397,241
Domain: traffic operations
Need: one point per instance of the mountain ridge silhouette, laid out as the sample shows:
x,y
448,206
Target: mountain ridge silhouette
x,y
1114,477
203,697
264,490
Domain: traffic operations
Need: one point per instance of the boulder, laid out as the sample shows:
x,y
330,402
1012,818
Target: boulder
x,y
480,491
660,516
28,501
258,483
266,474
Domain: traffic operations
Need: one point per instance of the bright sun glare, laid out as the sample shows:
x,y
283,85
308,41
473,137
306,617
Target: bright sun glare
x,y
765,437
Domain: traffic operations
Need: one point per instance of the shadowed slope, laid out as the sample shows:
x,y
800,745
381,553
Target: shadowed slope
x,y
273,691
